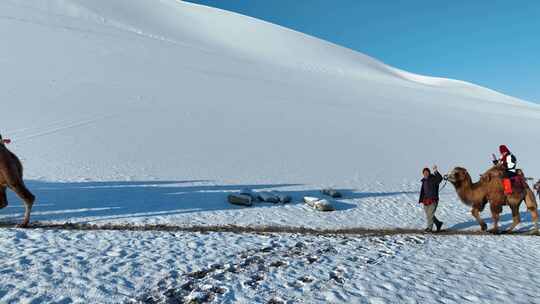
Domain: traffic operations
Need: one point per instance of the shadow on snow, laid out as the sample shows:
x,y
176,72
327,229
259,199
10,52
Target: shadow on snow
x,y
101,201
526,222
94,202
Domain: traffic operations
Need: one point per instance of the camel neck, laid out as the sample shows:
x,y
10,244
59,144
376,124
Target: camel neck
x,y
465,190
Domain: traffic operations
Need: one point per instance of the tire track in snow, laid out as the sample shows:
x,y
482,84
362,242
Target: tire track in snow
x,y
63,127
34,129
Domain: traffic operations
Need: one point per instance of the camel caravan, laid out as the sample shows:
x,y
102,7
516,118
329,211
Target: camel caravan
x,y
501,185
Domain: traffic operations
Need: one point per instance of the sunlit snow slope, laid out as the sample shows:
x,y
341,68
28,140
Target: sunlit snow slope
x,y
143,89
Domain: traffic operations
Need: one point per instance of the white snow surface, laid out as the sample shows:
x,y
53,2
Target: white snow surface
x,y
115,267
152,112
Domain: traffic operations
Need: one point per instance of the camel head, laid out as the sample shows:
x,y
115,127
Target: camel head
x,y
471,194
458,176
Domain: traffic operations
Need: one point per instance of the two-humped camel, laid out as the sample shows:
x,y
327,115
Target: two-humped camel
x,y
491,190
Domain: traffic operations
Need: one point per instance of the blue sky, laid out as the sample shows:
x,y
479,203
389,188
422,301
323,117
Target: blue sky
x,y
494,43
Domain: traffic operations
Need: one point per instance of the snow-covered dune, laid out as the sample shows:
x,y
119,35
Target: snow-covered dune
x,y
152,112
141,89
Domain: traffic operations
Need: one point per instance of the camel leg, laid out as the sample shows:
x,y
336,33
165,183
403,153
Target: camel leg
x,y
534,215
530,201
516,218
3,197
495,215
476,214
28,199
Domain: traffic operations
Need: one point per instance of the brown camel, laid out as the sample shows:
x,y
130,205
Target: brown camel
x,y
490,190
11,175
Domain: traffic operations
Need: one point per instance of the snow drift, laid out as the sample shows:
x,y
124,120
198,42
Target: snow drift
x,y
141,89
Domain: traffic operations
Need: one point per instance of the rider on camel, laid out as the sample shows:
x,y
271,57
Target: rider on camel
x,y
4,141
508,161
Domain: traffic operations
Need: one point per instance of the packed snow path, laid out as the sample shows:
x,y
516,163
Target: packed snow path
x,y
262,229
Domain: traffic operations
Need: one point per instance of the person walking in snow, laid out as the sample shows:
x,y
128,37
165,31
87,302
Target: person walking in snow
x,y
429,197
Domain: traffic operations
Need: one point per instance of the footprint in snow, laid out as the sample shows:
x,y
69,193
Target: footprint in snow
x,y
306,279
337,277
200,274
276,301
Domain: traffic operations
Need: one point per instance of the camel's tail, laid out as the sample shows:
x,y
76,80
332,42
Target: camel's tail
x,y
530,200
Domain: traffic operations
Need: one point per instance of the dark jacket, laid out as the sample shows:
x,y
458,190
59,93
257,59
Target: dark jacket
x,y
430,187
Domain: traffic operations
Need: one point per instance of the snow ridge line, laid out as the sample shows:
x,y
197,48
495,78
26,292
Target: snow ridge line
x,y
252,229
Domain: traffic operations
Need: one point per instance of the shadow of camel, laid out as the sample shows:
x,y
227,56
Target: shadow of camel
x,y
101,201
526,222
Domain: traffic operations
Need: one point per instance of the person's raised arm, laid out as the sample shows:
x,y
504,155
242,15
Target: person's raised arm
x,y
437,174
494,159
